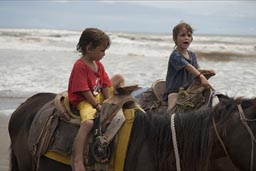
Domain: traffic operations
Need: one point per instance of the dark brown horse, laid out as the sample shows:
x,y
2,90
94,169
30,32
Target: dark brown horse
x,y
151,146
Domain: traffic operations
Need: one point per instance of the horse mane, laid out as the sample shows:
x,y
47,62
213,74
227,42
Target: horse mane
x,y
194,139
224,111
248,105
153,130
192,136
159,134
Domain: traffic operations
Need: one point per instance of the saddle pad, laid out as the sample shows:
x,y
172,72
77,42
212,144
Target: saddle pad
x,y
42,128
58,157
63,138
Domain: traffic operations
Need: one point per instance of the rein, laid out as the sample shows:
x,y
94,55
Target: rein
x,y
244,120
220,140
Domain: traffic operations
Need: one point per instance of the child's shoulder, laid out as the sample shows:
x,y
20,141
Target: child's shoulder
x,y
192,54
175,54
99,63
79,62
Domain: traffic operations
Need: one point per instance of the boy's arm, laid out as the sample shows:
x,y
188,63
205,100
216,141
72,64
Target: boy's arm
x,y
105,92
90,98
197,73
207,70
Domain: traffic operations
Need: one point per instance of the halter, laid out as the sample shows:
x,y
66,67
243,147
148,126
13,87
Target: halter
x,y
244,121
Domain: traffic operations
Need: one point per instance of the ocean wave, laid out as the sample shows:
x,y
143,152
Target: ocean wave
x,y
141,37
40,40
6,112
35,61
222,56
140,44
14,93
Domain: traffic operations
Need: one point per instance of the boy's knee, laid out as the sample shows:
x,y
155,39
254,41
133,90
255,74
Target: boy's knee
x,y
172,96
117,80
119,77
87,125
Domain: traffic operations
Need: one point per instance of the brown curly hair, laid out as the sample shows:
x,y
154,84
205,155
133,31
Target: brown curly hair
x,y
92,37
178,28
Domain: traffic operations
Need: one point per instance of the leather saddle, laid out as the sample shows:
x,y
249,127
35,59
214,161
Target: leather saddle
x,y
152,99
55,126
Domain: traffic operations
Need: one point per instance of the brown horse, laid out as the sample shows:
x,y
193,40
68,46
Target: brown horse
x,y
150,147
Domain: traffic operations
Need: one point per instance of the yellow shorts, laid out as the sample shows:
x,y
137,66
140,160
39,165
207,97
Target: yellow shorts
x,y
87,111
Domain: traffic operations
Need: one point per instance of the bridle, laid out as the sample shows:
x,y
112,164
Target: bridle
x,y
244,121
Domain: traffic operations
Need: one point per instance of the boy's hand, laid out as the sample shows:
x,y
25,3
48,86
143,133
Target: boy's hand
x,y
212,71
98,107
203,80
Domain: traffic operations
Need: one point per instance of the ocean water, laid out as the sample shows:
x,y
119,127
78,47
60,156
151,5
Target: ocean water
x,y
33,61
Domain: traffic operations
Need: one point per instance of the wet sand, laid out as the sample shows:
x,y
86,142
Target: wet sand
x,y
4,143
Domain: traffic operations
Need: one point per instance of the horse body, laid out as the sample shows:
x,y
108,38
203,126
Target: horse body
x,y
150,147
19,126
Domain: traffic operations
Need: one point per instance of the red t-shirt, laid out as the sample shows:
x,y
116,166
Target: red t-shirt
x,y
83,78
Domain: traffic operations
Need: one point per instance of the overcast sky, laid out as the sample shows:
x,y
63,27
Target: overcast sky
x,y
206,17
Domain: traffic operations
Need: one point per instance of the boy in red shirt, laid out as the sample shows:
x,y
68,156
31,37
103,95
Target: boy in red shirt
x,y
89,85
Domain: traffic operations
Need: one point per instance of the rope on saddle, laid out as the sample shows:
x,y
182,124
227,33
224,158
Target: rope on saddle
x,y
175,145
244,121
189,99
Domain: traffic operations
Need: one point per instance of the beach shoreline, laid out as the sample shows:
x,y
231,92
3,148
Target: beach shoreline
x,y
5,143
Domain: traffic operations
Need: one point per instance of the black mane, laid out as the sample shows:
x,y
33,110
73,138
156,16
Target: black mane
x,y
192,129
156,130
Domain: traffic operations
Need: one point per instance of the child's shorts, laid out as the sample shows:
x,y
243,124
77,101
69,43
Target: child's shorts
x,y
87,111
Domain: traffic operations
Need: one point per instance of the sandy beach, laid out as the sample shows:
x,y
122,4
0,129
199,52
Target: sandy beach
x,y
4,143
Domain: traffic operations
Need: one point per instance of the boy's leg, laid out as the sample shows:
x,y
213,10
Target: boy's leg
x,y
87,113
117,80
172,98
79,145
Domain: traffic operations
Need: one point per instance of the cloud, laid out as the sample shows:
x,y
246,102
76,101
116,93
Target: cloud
x,y
214,17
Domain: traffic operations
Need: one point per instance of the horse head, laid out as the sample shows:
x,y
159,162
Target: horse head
x,y
234,122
